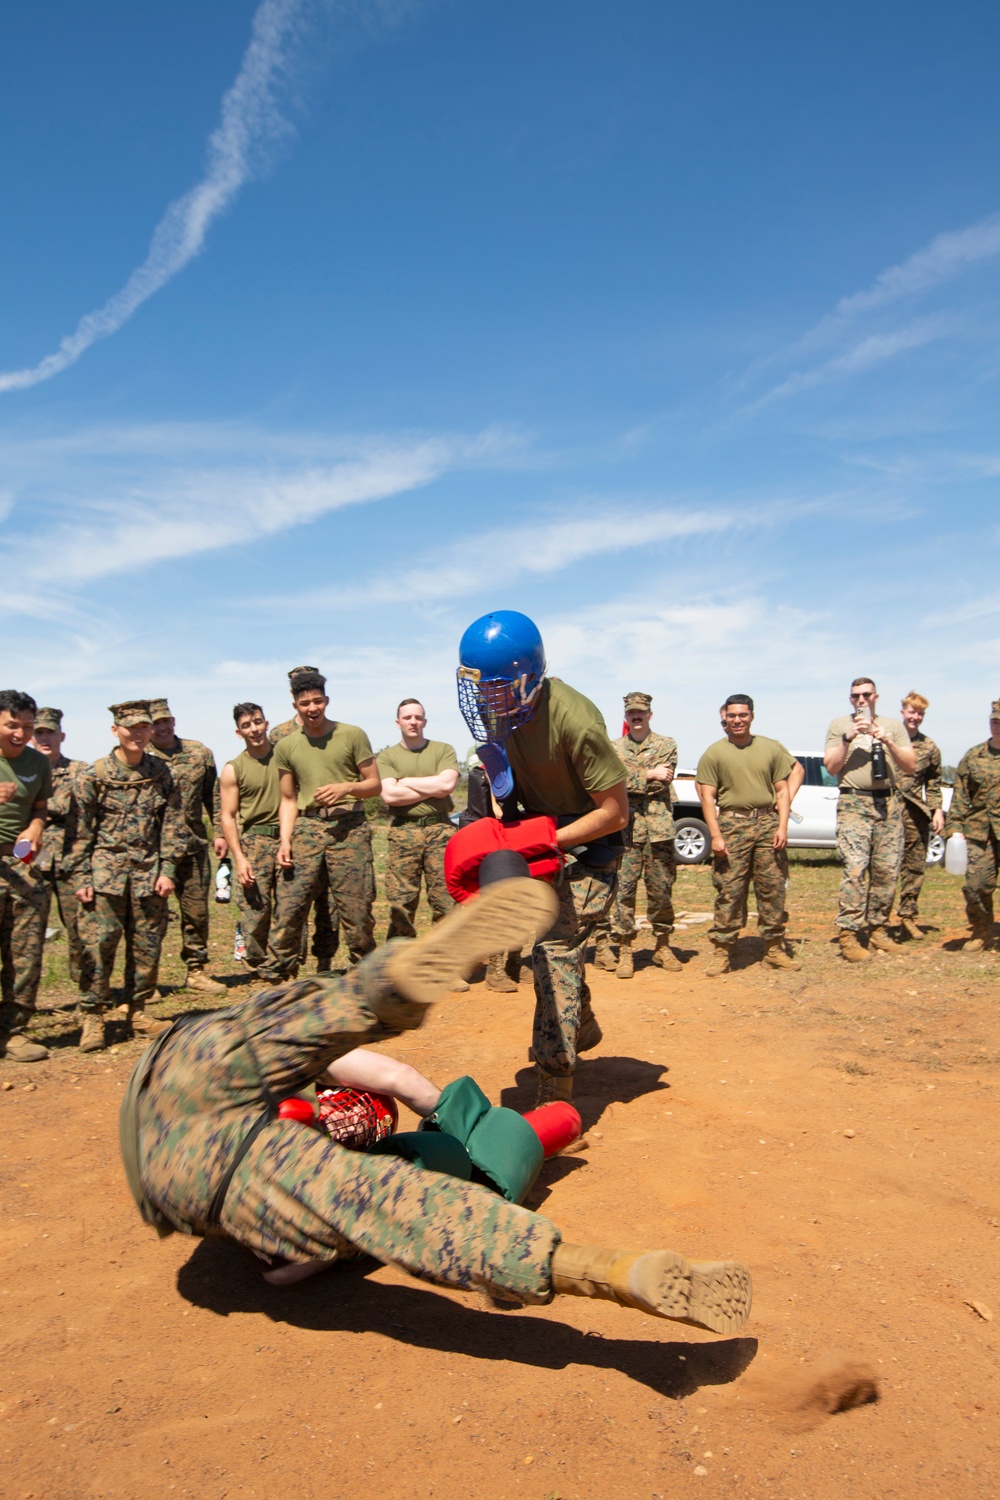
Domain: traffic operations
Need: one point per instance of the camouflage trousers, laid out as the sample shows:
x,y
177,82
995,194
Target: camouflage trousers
x,y
416,850
62,888
913,868
562,995
24,901
980,883
256,902
192,883
750,858
325,925
870,842
297,1194
343,847
142,922
656,864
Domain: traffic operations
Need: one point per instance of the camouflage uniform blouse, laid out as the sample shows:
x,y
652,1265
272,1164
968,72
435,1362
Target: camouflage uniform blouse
x,y
650,802
60,830
192,765
130,826
975,805
922,790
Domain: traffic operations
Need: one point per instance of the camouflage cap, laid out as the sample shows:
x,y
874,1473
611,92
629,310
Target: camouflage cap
x,y
159,708
639,700
136,711
994,709
297,671
48,718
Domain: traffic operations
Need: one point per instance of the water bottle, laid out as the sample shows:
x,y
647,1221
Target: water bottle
x,y
239,945
956,855
223,876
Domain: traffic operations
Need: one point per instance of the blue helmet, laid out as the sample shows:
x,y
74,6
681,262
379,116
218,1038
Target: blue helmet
x,y
500,674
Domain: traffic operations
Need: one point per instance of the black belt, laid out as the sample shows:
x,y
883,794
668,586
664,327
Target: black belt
x,y
424,821
864,791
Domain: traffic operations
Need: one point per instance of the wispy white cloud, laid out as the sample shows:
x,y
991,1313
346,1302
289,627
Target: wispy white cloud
x,y
250,125
872,350
946,257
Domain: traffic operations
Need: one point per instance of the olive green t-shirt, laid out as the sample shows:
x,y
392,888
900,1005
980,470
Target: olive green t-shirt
x,y
744,775
31,773
562,758
399,761
857,771
259,789
336,756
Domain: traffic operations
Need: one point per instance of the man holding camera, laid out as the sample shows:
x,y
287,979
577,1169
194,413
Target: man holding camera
x,y
868,755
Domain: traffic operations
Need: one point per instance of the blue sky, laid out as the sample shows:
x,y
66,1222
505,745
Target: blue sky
x,y
328,327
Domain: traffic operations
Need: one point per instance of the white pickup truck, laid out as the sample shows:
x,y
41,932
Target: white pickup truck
x,y
813,823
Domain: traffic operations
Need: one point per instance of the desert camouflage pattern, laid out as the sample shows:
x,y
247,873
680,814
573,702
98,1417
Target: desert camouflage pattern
x,y
650,802
980,883
870,843
142,922
24,903
343,846
53,861
416,850
256,902
751,858
297,1194
192,766
922,790
130,826
913,868
975,803
562,995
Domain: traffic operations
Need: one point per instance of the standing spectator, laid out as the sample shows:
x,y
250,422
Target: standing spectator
x,y
325,771
418,777
60,831
131,836
25,785
742,785
192,766
650,762
249,798
975,812
868,754
922,813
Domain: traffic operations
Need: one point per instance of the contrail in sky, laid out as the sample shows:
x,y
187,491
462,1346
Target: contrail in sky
x,y
250,122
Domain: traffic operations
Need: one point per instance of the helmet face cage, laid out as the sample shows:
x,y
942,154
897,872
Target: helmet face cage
x,y
494,708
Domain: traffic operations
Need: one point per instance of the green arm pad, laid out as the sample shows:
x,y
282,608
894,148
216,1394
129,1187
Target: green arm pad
x,y
434,1150
499,1141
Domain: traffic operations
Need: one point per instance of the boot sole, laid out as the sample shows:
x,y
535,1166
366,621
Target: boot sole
x,y
425,969
716,1294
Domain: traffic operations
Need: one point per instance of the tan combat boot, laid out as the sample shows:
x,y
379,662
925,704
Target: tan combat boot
x,y
14,1045
604,956
665,956
909,926
980,940
711,1294
552,1088
423,969
142,1025
92,1031
590,1034
198,980
626,967
719,963
879,939
851,949
777,957
497,977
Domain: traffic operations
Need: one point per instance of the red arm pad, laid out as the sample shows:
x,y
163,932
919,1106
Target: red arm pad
x,y
534,838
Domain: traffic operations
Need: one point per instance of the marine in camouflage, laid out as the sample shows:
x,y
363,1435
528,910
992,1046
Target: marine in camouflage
x,y
57,841
130,830
921,795
870,843
975,811
256,902
750,858
24,902
416,850
326,934
192,766
651,854
562,995
343,847
297,1194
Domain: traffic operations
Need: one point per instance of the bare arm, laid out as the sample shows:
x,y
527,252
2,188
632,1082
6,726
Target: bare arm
x,y
796,777
362,1069
288,810
783,802
36,827
706,796
610,815
370,785
229,806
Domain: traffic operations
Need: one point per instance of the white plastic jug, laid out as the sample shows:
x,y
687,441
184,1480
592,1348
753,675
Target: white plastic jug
x,y
956,855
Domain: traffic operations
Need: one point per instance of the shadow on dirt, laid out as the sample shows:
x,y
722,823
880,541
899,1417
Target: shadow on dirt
x,y
221,1277
598,1083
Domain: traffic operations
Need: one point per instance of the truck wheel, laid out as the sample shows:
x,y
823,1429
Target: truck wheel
x,y
935,849
692,845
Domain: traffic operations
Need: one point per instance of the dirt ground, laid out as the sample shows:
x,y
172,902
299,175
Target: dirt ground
x,y
835,1128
